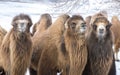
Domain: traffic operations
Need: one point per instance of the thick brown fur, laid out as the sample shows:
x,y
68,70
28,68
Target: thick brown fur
x,y
44,22
75,44
2,34
42,25
52,49
16,48
5,54
115,29
100,52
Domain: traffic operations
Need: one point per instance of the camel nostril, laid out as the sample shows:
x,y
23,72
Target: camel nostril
x,y
83,25
101,30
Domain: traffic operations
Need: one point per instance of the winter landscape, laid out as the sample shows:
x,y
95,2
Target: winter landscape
x,y
34,8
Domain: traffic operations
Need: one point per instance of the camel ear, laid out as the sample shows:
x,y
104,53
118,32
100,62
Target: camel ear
x,y
66,25
30,23
13,24
108,26
94,27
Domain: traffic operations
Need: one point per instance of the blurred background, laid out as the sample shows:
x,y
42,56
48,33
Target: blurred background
x,y
34,8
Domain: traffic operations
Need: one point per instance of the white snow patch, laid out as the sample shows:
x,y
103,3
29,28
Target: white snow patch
x,y
28,72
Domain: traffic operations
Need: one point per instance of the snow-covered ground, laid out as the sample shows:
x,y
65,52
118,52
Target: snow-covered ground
x,y
34,9
118,66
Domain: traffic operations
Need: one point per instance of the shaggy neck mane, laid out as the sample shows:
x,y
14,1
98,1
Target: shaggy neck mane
x,y
76,47
108,36
20,42
20,36
74,40
74,35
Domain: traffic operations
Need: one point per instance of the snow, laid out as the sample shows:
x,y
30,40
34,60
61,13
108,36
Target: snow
x,y
34,9
11,9
118,65
27,73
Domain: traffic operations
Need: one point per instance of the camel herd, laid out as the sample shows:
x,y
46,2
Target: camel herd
x,y
71,45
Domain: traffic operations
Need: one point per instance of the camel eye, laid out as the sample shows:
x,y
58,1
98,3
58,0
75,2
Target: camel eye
x,y
94,27
108,26
15,25
73,25
83,25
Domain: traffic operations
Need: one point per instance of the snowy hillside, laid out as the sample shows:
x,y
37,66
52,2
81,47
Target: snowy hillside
x,y
33,8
